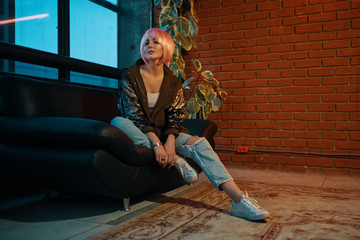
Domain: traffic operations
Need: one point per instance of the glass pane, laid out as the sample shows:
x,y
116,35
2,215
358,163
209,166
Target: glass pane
x,y
28,69
115,2
93,80
93,33
36,24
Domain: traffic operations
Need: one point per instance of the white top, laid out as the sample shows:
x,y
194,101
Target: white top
x,y
152,99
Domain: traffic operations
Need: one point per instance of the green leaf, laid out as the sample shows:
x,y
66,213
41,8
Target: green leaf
x,y
178,3
217,84
187,82
207,75
182,25
197,64
223,95
193,106
180,63
212,96
165,3
156,2
194,29
216,104
167,16
183,41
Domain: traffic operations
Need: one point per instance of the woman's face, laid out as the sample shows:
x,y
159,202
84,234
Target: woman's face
x,y
153,50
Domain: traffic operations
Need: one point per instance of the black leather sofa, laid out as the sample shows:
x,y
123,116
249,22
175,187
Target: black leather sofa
x,y
57,136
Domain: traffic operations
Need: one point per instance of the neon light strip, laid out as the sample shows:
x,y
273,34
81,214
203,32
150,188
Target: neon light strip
x,y
24,19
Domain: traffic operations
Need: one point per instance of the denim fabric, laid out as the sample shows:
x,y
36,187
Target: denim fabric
x,y
201,151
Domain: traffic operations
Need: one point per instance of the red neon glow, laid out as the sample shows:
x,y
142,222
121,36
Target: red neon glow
x,y
39,16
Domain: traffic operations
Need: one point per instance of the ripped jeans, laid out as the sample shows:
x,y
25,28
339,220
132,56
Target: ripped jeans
x,y
201,151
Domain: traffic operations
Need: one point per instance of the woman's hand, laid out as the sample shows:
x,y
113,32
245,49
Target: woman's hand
x,y
170,149
161,156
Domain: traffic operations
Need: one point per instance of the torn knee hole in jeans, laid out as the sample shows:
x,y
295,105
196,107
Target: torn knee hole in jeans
x,y
193,144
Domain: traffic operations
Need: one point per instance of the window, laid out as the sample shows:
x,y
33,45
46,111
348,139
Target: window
x,y
104,32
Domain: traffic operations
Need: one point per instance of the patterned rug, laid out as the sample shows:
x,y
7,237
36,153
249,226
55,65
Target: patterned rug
x,y
203,213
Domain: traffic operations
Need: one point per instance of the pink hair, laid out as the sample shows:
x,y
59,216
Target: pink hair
x,y
164,39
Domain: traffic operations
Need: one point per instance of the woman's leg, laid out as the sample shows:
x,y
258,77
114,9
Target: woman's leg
x,y
202,153
134,133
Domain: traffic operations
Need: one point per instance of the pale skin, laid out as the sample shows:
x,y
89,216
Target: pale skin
x,y
152,73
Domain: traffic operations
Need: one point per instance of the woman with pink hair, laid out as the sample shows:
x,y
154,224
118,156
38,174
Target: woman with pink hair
x,y
152,109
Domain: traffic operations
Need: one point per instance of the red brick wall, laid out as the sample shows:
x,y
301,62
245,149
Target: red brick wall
x,y
292,72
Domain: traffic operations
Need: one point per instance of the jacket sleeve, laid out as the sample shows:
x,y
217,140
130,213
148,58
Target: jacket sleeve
x,y
176,114
130,106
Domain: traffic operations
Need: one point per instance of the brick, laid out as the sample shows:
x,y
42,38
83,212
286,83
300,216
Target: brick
x,y
294,55
282,13
336,44
282,31
255,83
267,41
347,163
294,20
330,62
268,74
347,126
244,43
255,133
293,3
315,81
244,59
255,66
293,90
308,63
355,23
320,89
280,82
221,60
256,16
280,116
268,23
354,136
334,116
221,45
231,116
221,28
322,36
320,162
210,4
232,35
297,143
281,48
308,10
218,12
335,26
209,21
307,134
355,13
280,134
244,25
255,116
336,6
308,28
255,99
307,46
268,57
256,33
232,67
335,98
280,65
267,142
334,135
348,70
322,54
321,107
325,17
348,145
355,61
307,116
348,34
293,73
335,80
293,125
268,108
244,108
232,52
307,99
293,161
267,91
294,38
232,18
268,6
355,97
321,126
256,50
231,132
244,75
280,99
317,72
293,107
348,89
244,8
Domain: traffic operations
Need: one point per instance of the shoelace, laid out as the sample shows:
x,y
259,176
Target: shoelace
x,y
251,199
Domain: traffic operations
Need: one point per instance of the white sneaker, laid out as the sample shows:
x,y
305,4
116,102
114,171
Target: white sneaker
x,y
249,209
188,173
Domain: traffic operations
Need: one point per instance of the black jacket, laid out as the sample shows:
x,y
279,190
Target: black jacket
x,y
169,111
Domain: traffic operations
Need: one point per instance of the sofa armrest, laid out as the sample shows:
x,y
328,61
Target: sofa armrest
x,y
58,132
203,128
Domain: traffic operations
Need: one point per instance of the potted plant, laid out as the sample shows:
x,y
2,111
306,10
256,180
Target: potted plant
x,y
179,19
